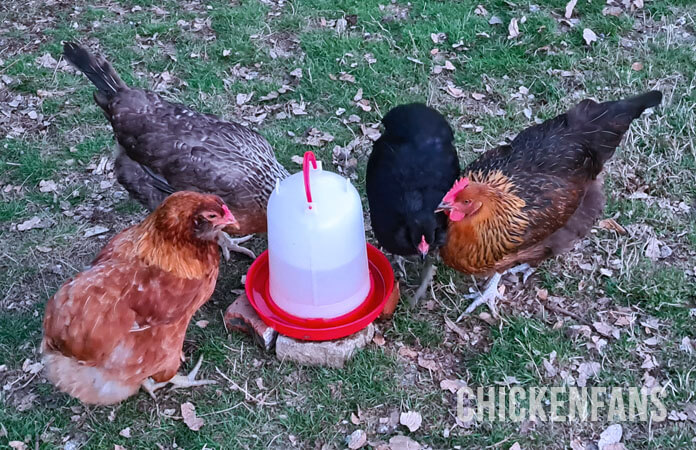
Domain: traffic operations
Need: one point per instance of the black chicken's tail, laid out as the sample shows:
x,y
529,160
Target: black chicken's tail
x,y
602,125
98,70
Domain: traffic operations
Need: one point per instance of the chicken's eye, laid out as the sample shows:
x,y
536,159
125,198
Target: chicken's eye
x,y
211,216
466,202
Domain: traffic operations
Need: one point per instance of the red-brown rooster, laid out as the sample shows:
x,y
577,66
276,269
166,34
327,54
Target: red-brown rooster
x,y
120,324
165,147
524,202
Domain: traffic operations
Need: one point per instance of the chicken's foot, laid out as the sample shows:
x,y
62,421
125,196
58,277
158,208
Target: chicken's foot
x,y
186,381
526,270
178,381
488,296
228,243
400,262
426,277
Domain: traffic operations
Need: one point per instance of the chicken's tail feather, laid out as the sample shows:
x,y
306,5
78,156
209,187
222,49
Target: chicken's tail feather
x,y
97,70
603,124
90,384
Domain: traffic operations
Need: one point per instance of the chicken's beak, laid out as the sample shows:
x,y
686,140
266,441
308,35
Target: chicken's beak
x,y
444,206
423,248
227,219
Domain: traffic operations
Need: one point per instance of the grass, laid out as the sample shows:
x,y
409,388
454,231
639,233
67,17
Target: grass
x,y
214,50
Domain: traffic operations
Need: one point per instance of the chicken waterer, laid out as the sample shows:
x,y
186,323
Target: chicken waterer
x,y
319,279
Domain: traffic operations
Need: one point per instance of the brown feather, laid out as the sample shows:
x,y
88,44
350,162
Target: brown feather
x,y
541,193
124,318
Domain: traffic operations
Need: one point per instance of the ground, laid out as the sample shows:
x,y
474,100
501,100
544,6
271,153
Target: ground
x,y
618,310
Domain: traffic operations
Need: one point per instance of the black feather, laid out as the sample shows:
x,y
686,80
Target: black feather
x,y
158,181
97,70
411,167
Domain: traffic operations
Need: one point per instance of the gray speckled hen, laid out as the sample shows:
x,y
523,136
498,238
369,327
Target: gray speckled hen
x,y
165,147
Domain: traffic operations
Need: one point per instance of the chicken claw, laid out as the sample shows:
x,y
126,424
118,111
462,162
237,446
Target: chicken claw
x,y
228,243
177,381
186,381
526,270
488,296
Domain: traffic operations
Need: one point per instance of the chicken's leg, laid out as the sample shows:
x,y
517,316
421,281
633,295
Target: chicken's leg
x,y
526,270
400,262
228,243
488,296
178,381
490,293
426,277
186,381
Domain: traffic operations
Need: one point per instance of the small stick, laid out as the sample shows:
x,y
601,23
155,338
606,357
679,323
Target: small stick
x,y
582,320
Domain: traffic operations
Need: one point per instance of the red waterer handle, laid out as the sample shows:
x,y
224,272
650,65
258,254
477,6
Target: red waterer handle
x,y
308,156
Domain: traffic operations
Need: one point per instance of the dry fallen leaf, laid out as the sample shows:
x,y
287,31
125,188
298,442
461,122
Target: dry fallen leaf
x,y
428,363
477,96
480,11
188,412
119,447
454,91
611,224
47,186
611,435
243,98
354,419
95,231
637,66
202,323
411,420
589,36
515,446
347,77
438,38
612,11
32,368
407,352
126,433
452,385
30,224
587,370
357,439
495,20
649,362
569,8
513,29
403,443
652,249
17,445
576,444
364,104
378,339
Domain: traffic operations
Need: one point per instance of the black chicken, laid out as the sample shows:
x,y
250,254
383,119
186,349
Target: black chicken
x,y
412,165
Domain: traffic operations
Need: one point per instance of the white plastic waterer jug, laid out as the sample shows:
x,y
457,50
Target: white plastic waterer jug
x,y
316,244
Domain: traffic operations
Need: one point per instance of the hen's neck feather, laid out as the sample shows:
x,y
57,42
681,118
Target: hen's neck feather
x,y
476,243
174,251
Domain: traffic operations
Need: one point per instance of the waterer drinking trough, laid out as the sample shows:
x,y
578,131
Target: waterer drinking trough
x,y
319,279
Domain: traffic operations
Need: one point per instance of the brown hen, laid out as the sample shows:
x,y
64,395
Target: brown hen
x,y
120,324
524,202
165,147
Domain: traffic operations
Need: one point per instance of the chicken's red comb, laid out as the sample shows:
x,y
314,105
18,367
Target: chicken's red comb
x,y
226,211
459,186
